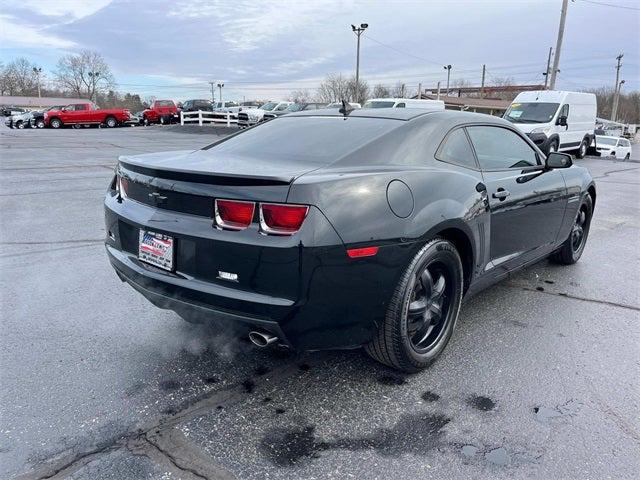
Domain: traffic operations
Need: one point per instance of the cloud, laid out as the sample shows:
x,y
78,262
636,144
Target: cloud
x,y
13,33
247,25
65,8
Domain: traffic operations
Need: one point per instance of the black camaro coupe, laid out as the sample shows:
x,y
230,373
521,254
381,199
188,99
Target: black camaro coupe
x,y
336,229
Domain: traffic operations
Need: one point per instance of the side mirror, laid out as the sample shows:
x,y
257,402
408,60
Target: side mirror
x,y
558,160
562,121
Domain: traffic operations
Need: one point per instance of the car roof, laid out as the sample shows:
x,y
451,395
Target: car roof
x,y
406,114
391,113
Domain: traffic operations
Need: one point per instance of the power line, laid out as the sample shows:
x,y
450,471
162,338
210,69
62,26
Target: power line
x,y
400,51
613,5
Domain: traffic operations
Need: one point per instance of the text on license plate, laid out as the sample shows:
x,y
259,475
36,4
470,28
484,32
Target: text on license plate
x,y
156,249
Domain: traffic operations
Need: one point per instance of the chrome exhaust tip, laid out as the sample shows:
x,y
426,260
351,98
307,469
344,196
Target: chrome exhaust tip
x,y
261,339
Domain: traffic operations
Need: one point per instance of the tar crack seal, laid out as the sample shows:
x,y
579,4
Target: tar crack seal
x,y
415,434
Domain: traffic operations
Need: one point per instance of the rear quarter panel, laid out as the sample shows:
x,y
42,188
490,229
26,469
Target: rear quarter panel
x,y
578,180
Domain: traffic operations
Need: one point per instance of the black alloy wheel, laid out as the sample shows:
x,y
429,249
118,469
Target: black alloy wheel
x,y
578,230
423,309
429,306
572,248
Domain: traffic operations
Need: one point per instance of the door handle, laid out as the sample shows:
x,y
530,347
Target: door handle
x,y
501,194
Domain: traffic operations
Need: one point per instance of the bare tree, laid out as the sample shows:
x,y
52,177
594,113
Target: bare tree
x,y
19,78
300,96
357,93
333,88
380,91
399,90
628,104
503,82
84,74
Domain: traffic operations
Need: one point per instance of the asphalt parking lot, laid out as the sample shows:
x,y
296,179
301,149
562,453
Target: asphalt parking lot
x,y
539,381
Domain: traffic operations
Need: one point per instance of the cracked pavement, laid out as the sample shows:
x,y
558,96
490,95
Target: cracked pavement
x,y
539,381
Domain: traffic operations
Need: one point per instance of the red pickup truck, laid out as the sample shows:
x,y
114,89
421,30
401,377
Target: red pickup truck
x,y
86,114
160,111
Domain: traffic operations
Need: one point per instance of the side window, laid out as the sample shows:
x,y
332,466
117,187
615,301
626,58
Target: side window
x,y
279,108
499,148
401,105
456,149
564,111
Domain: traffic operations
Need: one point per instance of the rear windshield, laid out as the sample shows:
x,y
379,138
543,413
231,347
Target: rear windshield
x,y
379,104
308,139
164,103
606,141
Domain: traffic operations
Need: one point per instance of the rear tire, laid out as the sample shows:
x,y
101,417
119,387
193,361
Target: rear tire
x,y
40,123
111,122
20,124
627,156
572,248
423,310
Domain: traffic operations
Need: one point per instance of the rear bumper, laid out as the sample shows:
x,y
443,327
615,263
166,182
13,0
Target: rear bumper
x,y
304,289
181,295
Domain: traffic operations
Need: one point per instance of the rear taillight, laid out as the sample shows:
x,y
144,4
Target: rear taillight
x,y
122,186
233,214
279,219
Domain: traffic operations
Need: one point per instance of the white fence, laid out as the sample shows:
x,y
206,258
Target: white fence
x,y
203,117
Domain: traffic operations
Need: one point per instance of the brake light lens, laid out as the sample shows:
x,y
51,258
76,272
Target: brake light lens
x,y
233,214
282,219
123,186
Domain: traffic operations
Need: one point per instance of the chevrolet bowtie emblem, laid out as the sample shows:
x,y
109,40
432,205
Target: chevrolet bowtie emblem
x,y
157,198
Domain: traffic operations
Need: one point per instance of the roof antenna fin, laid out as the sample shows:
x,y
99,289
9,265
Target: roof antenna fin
x,y
346,108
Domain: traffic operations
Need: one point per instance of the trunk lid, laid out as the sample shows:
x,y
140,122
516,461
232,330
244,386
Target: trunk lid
x,y
206,163
188,182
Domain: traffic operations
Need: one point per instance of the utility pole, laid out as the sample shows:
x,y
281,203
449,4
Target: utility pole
x,y
420,91
616,90
438,95
213,95
448,69
556,57
484,71
358,31
546,73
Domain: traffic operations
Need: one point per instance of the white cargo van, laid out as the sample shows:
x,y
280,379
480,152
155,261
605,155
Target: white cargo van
x,y
556,120
403,103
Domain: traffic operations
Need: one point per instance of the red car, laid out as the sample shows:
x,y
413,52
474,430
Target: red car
x,y
86,114
160,111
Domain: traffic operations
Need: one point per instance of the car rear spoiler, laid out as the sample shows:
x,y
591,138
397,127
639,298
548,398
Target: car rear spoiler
x,y
206,178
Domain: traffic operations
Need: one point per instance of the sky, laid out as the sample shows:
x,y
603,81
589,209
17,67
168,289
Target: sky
x,y
265,49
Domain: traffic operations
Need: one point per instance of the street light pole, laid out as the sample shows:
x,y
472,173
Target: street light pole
x,y
614,115
448,69
220,85
358,31
38,71
94,80
213,96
